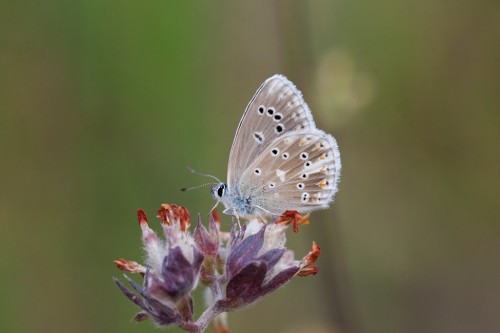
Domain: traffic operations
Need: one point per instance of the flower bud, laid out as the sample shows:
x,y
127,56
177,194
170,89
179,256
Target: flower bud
x,y
208,242
175,268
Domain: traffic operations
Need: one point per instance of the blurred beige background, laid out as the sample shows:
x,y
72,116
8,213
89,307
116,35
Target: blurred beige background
x,y
104,103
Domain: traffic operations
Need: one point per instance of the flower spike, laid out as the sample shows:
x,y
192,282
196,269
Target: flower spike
x,y
238,267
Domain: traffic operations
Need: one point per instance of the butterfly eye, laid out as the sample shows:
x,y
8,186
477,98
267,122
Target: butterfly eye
x,y
220,191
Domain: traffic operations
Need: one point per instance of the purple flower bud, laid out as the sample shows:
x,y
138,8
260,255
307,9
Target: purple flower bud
x,y
243,252
152,308
256,264
279,279
208,242
244,287
178,276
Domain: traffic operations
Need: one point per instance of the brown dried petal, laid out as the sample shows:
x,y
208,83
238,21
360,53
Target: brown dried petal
x,y
174,214
310,270
293,216
129,266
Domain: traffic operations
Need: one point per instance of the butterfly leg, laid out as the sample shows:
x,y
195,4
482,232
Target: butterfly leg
x,y
238,219
234,214
215,206
265,210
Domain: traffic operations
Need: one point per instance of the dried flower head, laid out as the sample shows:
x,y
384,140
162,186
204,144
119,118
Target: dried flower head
x,y
237,267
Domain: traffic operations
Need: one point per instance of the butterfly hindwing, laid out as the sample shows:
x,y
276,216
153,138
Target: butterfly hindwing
x,y
298,171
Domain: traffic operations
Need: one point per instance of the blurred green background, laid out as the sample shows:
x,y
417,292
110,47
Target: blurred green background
x,y
104,103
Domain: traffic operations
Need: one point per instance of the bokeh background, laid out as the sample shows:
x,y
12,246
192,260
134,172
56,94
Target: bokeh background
x,y
103,104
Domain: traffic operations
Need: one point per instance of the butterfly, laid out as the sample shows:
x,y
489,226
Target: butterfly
x,y
279,160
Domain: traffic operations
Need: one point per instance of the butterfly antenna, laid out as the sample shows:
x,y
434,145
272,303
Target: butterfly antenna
x,y
203,174
184,189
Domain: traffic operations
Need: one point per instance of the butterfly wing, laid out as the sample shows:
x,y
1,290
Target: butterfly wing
x,y
298,171
276,108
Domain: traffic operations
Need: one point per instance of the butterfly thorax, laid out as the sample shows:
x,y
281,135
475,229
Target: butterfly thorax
x,y
234,202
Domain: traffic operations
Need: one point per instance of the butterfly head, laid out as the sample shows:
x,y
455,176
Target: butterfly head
x,y
219,191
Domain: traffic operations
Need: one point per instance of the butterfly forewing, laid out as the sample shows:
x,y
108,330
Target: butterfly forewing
x,y
298,171
277,108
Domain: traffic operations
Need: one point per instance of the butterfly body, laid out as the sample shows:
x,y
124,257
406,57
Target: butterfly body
x,y
279,160
235,203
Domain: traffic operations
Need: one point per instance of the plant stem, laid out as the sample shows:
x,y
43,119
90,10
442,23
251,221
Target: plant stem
x,y
190,327
216,288
210,313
